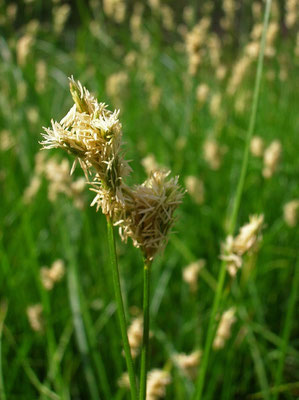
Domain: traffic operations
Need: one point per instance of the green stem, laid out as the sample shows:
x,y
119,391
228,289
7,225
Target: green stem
x,y
235,211
73,291
211,332
3,311
256,93
146,317
287,327
76,300
120,309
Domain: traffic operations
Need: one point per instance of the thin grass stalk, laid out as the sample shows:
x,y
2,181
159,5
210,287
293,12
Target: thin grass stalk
x,y
3,311
253,344
146,321
42,389
287,328
93,363
50,334
120,309
235,211
73,291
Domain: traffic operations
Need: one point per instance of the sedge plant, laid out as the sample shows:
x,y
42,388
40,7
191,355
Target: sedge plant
x,y
144,213
236,206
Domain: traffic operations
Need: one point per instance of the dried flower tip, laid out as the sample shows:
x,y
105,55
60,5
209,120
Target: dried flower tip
x,y
135,335
224,328
213,153
257,146
49,276
291,212
34,314
191,273
124,381
202,93
188,363
234,248
233,261
149,163
150,213
249,235
195,188
271,158
157,380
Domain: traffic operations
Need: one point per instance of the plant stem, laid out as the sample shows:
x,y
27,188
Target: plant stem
x,y
120,309
3,311
235,211
73,291
146,317
287,327
256,93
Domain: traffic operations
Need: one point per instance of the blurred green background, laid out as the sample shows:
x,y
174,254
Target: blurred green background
x,y
182,75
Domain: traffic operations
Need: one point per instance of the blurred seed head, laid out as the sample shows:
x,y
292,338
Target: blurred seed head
x,y
291,212
224,328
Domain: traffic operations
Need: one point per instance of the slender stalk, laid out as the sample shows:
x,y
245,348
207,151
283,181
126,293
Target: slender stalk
x,y
3,311
76,300
256,93
145,342
287,327
45,300
73,291
120,309
235,211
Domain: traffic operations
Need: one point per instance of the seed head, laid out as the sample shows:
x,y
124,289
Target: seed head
x,y
224,328
157,380
150,212
188,363
234,248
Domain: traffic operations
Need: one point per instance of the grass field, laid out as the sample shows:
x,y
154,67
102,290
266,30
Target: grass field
x,y
183,75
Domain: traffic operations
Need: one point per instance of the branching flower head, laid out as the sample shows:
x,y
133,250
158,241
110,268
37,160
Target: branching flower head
x,y
93,134
150,212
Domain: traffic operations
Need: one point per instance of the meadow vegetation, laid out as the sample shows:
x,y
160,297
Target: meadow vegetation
x,y
207,90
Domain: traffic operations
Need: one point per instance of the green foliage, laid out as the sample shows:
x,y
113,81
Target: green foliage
x,y
52,364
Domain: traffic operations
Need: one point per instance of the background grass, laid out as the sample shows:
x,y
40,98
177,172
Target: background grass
x,y
57,362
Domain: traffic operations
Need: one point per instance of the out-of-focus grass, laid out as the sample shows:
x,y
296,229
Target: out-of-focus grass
x,y
32,235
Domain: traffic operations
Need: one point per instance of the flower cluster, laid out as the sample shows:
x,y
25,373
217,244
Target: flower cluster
x,y
223,333
150,212
93,134
235,248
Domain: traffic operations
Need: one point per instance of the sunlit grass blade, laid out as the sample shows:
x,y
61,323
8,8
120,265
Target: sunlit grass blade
x,y
235,210
120,309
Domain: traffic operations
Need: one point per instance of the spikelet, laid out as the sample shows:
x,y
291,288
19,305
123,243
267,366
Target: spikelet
x,y
150,164
224,328
150,212
195,188
234,248
34,314
135,335
291,212
124,381
191,273
213,153
93,134
157,380
116,85
49,276
271,158
188,363
257,146
202,92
